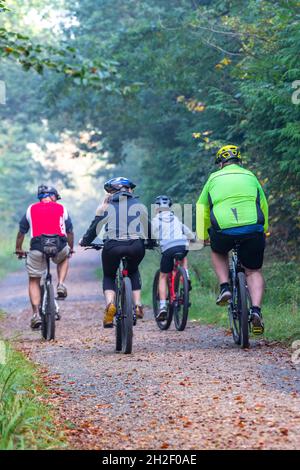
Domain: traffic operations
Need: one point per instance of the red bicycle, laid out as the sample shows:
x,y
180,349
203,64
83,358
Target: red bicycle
x,y
178,296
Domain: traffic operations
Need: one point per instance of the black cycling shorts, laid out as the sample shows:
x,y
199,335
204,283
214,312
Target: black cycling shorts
x,y
112,254
167,259
251,251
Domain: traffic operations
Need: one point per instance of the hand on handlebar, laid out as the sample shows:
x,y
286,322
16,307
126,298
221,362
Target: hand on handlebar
x,y
150,244
80,243
21,253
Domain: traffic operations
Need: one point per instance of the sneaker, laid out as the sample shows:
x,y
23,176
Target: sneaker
x,y
139,312
35,322
257,322
224,296
162,314
109,315
62,292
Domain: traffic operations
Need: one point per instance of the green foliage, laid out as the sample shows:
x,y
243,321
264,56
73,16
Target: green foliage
x,y
25,423
63,60
188,78
219,70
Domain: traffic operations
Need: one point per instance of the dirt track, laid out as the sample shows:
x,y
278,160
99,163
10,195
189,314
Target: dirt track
x,y
190,390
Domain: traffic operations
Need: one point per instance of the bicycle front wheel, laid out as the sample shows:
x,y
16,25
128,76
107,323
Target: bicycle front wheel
x,y
182,303
127,316
165,324
48,317
243,310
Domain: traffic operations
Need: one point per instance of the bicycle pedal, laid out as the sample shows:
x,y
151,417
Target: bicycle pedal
x,y
257,330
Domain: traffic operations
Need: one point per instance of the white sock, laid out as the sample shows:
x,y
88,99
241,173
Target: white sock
x,y
162,303
187,273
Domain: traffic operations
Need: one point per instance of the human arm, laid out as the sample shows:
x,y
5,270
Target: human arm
x,y
102,208
203,214
93,230
264,207
188,232
19,243
24,227
69,230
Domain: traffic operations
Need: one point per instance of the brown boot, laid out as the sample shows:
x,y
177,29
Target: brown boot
x,y
139,312
109,315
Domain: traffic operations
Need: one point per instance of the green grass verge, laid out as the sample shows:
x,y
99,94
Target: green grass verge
x,y
281,307
25,422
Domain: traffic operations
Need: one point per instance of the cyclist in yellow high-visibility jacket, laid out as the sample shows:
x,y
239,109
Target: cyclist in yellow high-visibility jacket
x,y
233,206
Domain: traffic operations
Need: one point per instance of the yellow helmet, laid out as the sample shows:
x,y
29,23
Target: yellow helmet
x,y
228,152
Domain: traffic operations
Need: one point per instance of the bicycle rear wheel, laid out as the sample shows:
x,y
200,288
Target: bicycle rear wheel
x,y
243,310
182,303
118,325
127,316
165,324
48,317
233,312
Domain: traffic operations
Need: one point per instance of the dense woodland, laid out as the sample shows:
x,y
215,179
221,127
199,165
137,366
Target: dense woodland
x,y
151,88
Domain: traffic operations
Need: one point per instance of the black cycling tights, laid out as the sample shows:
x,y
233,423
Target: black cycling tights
x,y
112,254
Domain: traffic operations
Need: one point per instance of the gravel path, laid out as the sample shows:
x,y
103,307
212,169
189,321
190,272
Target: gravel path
x,y
189,390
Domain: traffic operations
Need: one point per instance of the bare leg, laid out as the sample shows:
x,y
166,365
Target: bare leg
x,y
137,297
62,271
256,285
184,263
221,266
110,296
35,293
163,286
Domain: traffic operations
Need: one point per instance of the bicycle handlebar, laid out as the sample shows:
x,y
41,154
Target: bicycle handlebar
x,y
23,256
95,246
99,246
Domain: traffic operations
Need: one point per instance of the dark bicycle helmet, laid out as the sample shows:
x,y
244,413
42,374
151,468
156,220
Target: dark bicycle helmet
x,y
115,184
47,191
163,201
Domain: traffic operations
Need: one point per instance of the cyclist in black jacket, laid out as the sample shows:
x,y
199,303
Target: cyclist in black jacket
x,y
126,227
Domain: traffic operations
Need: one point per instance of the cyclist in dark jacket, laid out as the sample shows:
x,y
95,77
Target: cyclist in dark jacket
x,y
125,226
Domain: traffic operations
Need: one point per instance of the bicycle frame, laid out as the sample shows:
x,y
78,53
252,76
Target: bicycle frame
x,y
236,266
237,305
171,281
47,280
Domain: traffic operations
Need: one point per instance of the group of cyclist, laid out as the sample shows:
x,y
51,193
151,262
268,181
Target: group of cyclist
x,y
232,206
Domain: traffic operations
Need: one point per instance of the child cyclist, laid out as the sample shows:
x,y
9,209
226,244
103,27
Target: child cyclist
x,y
173,237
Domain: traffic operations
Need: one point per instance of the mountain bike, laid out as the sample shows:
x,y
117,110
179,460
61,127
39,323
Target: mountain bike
x,y
240,303
178,302
125,318
49,310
